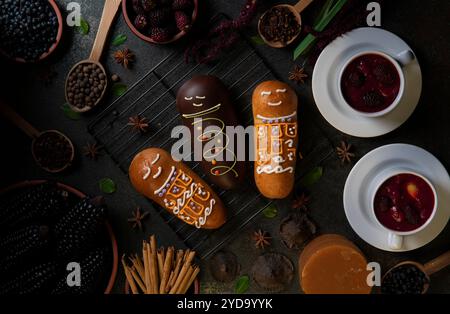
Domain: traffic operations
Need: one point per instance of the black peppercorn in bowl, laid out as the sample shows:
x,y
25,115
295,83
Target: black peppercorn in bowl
x,y
86,85
27,38
160,22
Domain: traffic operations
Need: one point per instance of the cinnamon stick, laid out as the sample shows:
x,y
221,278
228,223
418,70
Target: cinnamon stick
x,y
137,279
129,277
179,260
166,270
151,267
191,280
160,255
184,270
146,267
185,280
155,264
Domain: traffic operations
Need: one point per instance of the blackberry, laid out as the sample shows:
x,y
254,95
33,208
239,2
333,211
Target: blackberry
x,y
140,22
93,267
384,74
357,79
29,28
137,7
404,279
148,5
43,201
79,227
159,17
373,99
182,20
36,279
182,5
160,34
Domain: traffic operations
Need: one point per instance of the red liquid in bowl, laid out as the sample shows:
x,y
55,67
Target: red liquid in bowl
x,y
370,83
404,202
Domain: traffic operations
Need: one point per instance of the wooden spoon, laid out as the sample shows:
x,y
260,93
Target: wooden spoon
x,y
296,10
109,12
428,269
35,135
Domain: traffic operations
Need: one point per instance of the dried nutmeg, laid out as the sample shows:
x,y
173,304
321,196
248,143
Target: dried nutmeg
x,y
273,272
296,229
224,266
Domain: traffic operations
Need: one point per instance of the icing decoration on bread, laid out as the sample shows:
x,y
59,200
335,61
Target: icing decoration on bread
x,y
276,137
177,188
203,102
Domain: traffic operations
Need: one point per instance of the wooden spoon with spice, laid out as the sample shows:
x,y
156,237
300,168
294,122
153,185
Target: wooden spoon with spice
x,y
52,150
427,269
281,24
87,81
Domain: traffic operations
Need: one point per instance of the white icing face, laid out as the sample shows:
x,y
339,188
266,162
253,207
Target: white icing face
x,y
151,169
196,100
269,93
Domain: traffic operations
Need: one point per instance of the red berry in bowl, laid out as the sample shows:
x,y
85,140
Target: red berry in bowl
x,y
137,8
356,79
412,190
384,74
182,5
148,5
182,20
410,215
159,16
160,34
396,214
373,99
140,22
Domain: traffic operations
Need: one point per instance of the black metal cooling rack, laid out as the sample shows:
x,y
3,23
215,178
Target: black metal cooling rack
x,y
153,97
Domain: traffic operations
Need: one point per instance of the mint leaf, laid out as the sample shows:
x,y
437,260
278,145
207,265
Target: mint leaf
x,y
119,89
270,211
242,284
107,185
84,26
119,40
69,113
312,177
257,40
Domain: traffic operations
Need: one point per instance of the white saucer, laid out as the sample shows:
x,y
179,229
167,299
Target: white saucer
x,y
325,83
357,196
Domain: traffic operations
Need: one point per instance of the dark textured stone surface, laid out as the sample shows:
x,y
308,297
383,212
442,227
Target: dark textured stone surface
x,y
423,25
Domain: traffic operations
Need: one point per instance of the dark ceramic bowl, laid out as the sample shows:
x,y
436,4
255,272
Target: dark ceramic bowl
x,y
126,8
77,193
45,55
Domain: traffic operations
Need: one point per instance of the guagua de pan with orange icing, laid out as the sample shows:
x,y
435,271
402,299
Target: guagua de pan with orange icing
x,y
177,188
276,138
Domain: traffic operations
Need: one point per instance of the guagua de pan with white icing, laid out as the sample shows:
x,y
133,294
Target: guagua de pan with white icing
x,y
174,186
204,104
276,138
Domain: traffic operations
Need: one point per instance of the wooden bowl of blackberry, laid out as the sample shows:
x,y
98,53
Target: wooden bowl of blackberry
x,y
54,240
31,29
160,21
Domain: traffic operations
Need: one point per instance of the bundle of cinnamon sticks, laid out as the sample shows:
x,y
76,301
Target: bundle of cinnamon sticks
x,y
160,271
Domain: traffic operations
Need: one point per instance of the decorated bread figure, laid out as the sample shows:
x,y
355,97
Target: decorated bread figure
x,y
276,137
174,186
203,103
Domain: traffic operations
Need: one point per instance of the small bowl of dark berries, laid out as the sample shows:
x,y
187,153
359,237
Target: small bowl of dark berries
x,y
372,82
160,21
30,29
404,203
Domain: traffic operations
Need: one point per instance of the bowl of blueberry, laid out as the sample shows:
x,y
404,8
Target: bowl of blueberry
x,y
160,21
30,29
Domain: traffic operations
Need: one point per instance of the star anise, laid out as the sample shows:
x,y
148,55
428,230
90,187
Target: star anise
x,y
138,123
301,201
261,238
298,75
92,151
125,57
137,218
344,152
